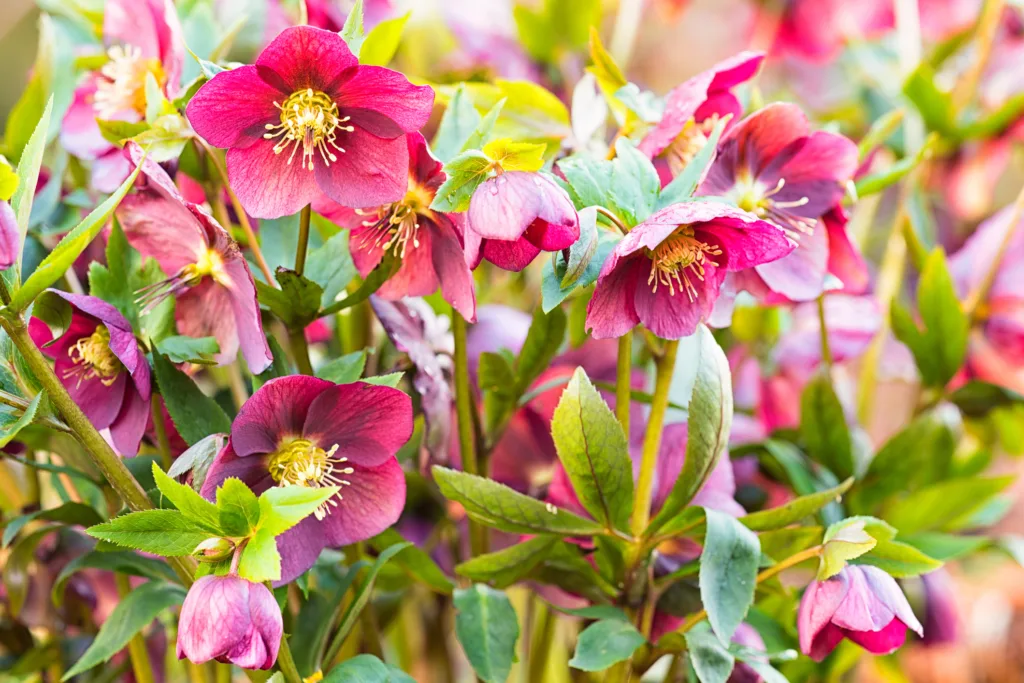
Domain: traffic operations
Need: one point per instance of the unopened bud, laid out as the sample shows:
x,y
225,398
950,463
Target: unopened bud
x,y
214,550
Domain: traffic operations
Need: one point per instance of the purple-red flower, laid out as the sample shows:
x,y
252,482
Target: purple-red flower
x,y
306,431
209,278
307,119
143,37
514,216
772,165
941,621
231,620
861,603
100,363
10,236
428,241
693,109
667,271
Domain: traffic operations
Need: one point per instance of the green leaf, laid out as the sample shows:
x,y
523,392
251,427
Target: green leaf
x,y
482,133
344,370
117,132
779,544
296,303
330,266
977,398
608,75
382,41
68,513
458,123
937,506
390,380
555,271
238,509
899,560
179,349
593,450
260,559
823,426
845,540
935,106
728,572
30,162
627,185
363,592
197,459
712,662
582,250
686,183
501,507
196,508
69,248
504,567
282,507
9,431
466,172
279,368
17,568
604,643
162,532
874,183
487,627
352,31
133,612
547,331
360,669
195,415
945,547
111,282
121,561
710,419
414,561
795,510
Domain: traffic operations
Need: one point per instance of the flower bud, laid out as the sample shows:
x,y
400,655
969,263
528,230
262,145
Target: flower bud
x,y
10,236
231,620
214,550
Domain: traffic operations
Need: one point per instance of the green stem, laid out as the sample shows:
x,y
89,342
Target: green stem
x,y
303,245
286,663
102,455
980,293
543,639
223,673
987,29
826,351
162,442
623,381
300,350
467,436
137,652
652,439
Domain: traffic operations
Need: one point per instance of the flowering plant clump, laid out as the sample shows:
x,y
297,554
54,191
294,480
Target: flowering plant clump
x,y
338,343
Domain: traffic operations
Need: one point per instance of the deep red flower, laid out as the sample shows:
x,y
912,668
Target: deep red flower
x,y
307,119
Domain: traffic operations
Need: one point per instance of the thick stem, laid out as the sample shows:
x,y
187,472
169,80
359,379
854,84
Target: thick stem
x,y
300,351
615,220
297,337
467,433
826,351
652,439
102,455
286,663
623,381
303,245
137,653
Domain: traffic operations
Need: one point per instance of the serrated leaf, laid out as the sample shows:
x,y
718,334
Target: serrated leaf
x,y
180,349
457,125
260,559
196,508
162,532
487,627
195,415
728,572
344,370
390,380
238,509
282,507
352,30
465,172
11,430
507,566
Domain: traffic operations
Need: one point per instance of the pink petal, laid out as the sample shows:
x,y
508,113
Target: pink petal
x,y
129,427
845,261
150,25
674,316
888,592
862,609
307,57
760,137
276,411
372,171
416,276
452,270
266,184
737,69
504,207
680,106
206,311
233,108
367,423
299,547
162,229
512,255
10,236
820,601
100,403
246,313
611,311
370,505
882,642
818,172
376,90
801,275
79,133
213,618
109,171
745,242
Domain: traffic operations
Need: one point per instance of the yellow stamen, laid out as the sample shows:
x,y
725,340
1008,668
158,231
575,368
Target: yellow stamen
x,y
397,225
752,196
302,463
92,358
679,253
309,119
122,83
690,140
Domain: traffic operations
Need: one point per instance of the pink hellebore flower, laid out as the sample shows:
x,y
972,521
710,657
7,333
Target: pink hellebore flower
x,y
306,120
306,431
10,236
861,603
209,278
428,242
100,363
772,165
667,271
693,109
231,620
514,216
143,37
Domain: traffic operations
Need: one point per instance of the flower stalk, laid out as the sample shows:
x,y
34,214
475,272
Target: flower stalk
x,y
467,433
623,383
142,668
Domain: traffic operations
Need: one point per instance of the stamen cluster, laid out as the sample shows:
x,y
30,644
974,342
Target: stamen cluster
x,y
309,119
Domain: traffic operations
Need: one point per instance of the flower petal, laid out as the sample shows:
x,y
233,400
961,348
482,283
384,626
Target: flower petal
x,y
267,184
611,311
453,272
234,107
162,229
276,411
389,94
800,276
100,403
299,547
674,316
820,601
512,255
246,312
370,505
367,423
79,133
129,426
372,170
206,311
680,106
307,57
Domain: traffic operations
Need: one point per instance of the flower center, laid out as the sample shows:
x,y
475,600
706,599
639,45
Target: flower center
x,y
122,83
677,258
302,463
309,119
210,263
753,197
92,358
690,140
396,226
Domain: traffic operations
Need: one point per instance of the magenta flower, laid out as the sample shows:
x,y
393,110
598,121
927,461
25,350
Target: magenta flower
x,y
667,271
307,119
817,30
100,363
209,278
306,431
861,603
941,621
693,109
10,236
514,216
231,620
428,242
772,165
143,37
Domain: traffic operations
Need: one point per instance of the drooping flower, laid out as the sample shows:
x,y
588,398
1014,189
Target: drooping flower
x,y
143,38
305,431
667,271
231,620
307,119
10,236
427,241
861,603
941,622
101,365
693,109
516,215
772,165
209,277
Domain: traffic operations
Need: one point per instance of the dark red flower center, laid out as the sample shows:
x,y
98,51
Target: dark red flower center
x,y
92,358
309,119
300,462
679,257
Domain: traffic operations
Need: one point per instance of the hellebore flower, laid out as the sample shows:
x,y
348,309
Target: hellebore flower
x,y
772,165
693,109
941,625
231,620
209,278
667,271
514,216
861,603
306,431
143,38
10,236
427,241
100,363
307,119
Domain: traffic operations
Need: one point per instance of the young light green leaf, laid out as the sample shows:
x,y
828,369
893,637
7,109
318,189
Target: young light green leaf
x,y
728,572
352,30
382,41
28,173
260,559
899,560
465,173
9,431
943,317
487,627
604,643
844,541
238,509
457,125
161,532
196,508
282,507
